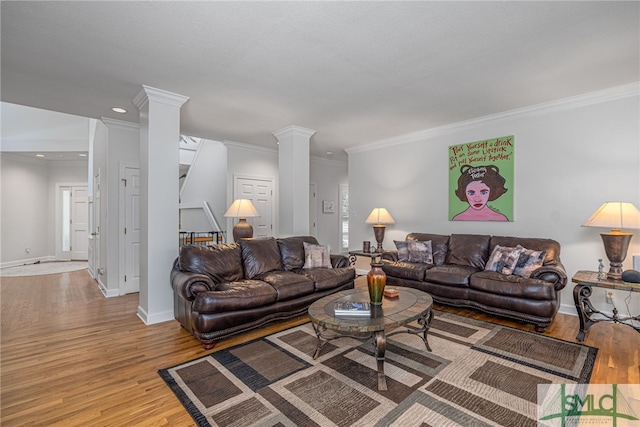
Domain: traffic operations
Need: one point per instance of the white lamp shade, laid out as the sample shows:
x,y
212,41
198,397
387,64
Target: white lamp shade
x,y
241,208
379,216
615,215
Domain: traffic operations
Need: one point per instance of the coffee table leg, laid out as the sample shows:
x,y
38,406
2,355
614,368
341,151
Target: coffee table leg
x,y
425,322
381,346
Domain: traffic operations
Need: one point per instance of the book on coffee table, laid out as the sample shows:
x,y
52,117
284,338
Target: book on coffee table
x,y
349,308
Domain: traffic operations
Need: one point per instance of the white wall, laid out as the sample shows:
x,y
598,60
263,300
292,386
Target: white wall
x,y
206,180
115,143
24,215
29,206
328,175
570,157
252,161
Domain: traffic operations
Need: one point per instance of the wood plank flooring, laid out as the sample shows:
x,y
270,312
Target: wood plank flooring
x,y
70,357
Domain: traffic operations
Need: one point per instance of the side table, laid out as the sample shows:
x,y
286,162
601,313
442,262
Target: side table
x,y
585,281
353,255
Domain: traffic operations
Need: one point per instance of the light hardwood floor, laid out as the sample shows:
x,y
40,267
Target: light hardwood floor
x,y
70,357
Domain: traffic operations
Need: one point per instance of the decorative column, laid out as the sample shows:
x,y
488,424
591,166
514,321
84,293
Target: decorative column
x,y
293,165
159,195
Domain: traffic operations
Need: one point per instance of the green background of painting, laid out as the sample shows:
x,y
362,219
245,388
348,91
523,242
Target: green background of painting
x,y
504,203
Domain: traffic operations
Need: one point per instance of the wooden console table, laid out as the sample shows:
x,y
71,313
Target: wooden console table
x,y
585,281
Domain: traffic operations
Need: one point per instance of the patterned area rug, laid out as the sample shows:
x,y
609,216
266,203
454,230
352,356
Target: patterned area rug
x,y
479,374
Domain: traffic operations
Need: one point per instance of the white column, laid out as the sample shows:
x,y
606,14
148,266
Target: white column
x,y
159,170
293,165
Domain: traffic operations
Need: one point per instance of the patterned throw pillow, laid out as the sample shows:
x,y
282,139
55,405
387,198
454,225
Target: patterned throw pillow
x,y
316,256
420,251
403,250
503,259
528,261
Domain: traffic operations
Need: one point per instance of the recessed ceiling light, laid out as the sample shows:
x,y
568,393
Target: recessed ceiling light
x,y
39,155
82,155
119,110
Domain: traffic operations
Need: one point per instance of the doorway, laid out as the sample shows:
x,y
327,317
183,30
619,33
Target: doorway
x,y
72,225
260,192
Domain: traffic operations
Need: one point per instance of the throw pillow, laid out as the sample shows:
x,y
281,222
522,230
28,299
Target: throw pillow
x,y
316,256
403,250
528,261
503,259
420,251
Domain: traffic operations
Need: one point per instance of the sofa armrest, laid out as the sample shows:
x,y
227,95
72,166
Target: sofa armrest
x,y
555,274
390,255
338,261
188,285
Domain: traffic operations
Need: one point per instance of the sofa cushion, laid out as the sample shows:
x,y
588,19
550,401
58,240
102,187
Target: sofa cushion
x,y
403,250
549,246
288,284
292,251
452,275
512,286
329,278
405,270
316,256
420,251
223,263
241,295
260,256
503,259
469,249
528,261
439,245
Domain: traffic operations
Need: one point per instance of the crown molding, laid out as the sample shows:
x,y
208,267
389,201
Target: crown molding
x,y
45,162
120,124
332,162
158,95
249,147
597,97
294,130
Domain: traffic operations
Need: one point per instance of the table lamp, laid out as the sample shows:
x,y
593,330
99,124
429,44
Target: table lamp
x,y
242,209
379,217
615,215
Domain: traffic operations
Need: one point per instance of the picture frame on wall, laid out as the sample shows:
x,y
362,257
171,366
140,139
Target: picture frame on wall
x,y
328,206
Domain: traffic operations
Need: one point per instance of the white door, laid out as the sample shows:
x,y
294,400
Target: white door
x,y
131,231
260,192
79,223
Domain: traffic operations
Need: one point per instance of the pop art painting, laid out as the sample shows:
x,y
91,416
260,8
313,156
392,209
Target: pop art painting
x,y
481,180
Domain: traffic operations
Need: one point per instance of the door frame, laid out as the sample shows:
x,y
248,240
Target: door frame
x,y
59,254
275,201
121,224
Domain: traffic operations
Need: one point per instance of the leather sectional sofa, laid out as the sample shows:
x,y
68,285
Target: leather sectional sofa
x,y
226,289
456,275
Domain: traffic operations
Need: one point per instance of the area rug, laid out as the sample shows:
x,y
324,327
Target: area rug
x,y
42,268
478,374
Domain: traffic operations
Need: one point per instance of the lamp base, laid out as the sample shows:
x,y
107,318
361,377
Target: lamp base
x,y
378,232
616,245
242,230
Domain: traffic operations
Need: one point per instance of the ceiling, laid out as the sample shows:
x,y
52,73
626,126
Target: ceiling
x,y
356,72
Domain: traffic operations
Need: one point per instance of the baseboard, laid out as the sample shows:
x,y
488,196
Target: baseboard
x,y
28,261
154,318
108,293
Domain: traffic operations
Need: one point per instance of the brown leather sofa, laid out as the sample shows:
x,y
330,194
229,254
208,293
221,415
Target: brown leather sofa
x,y
457,276
226,289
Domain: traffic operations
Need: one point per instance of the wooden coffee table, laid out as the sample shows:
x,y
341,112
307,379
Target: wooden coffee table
x,y
410,305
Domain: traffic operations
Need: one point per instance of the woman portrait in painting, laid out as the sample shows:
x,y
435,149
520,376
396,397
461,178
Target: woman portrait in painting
x,y
477,186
